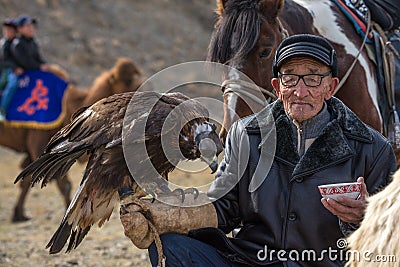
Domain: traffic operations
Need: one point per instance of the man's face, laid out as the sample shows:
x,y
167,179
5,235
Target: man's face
x,y
27,30
302,102
9,32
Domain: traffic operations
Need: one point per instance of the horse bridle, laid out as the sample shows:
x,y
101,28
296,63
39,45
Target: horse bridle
x,y
245,89
236,86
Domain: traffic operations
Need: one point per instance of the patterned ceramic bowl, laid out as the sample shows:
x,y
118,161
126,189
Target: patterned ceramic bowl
x,y
334,191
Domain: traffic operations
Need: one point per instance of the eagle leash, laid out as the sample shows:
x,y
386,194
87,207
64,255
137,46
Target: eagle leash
x,y
144,220
130,210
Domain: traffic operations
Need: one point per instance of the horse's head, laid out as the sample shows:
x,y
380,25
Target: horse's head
x,y
246,37
126,76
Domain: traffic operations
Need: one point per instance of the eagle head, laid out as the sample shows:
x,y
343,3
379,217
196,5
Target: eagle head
x,y
201,137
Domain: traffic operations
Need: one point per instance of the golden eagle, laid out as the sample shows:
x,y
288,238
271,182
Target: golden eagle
x,y
102,130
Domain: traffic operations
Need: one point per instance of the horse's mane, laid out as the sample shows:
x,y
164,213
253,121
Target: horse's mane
x,y
236,32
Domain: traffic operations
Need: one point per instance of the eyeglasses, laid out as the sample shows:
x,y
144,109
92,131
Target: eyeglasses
x,y
311,80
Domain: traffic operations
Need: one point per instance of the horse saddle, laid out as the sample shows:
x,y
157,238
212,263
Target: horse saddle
x,y
383,47
38,102
394,39
385,12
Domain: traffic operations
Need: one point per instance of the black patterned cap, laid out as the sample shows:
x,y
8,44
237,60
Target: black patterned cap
x,y
305,45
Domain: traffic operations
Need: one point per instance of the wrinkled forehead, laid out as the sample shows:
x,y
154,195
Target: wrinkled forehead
x,y
303,63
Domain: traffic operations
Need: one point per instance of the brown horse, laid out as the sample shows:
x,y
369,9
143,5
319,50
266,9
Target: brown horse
x,y
248,33
125,76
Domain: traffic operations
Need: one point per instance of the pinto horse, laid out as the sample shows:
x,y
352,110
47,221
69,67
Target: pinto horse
x,y
248,33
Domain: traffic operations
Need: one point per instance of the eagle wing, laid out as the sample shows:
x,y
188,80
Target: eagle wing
x,y
93,127
98,130
95,199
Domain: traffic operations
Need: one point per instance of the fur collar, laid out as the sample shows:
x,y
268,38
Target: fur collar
x,y
330,147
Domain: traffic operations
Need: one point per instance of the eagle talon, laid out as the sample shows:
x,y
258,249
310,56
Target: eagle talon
x,y
180,192
123,210
125,192
153,196
193,191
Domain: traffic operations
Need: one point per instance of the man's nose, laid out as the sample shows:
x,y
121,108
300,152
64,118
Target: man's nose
x,y
301,89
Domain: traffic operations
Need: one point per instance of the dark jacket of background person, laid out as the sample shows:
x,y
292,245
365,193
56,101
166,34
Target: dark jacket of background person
x,y
26,53
6,58
285,212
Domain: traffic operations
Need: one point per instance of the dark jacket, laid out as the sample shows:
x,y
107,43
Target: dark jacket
x,y
26,53
6,58
285,211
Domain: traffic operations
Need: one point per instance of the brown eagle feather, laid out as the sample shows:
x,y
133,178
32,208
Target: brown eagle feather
x,y
98,130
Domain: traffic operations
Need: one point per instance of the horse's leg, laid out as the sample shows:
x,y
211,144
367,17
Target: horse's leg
x,y
36,142
18,215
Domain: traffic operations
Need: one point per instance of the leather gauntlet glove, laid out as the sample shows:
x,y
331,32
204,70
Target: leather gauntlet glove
x,y
144,220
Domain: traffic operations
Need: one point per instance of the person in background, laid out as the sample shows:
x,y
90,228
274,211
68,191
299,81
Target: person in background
x,y
9,68
24,48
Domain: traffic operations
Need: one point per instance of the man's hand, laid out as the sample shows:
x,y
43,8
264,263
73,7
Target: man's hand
x,y
44,67
349,210
19,71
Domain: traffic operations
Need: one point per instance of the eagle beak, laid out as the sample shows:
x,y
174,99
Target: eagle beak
x,y
212,163
209,145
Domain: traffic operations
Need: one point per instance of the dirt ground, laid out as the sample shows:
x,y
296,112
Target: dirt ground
x,y
23,244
